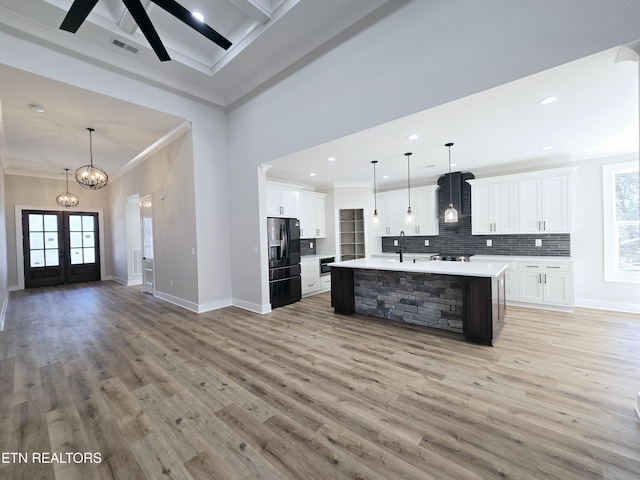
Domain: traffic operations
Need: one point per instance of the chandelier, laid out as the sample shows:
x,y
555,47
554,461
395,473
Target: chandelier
x,y
91,176
67,199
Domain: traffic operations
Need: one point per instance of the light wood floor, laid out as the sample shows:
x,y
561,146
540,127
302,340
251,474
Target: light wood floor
x,y
301,393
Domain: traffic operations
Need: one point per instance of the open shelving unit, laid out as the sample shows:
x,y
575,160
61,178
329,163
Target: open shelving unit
x,y
352,243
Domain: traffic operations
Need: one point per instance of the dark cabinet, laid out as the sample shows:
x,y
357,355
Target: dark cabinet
x,y
342,290
484,308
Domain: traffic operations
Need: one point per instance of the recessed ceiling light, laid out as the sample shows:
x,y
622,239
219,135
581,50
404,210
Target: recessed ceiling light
x,y
385,176
36,108
548,100
198,16
312,174
412,137
548,147
454,164
331,159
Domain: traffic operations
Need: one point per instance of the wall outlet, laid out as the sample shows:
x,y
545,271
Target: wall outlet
x,y
538,242
426,243
310,244
489,243
255,250
171,283
395,243
193,251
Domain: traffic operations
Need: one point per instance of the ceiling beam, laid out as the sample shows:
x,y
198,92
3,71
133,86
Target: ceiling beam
x,y
252,8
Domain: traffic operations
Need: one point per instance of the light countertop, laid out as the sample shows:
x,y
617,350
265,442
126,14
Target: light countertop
x,y
520,258
466,269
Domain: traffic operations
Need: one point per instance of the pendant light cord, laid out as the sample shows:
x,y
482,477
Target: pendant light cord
x,y
408,154
91,146
450,181
375,190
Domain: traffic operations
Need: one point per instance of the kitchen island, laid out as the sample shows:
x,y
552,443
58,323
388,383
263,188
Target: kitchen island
x,y
461,297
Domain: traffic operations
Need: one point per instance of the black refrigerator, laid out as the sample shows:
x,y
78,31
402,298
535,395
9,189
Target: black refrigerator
x,y
285,284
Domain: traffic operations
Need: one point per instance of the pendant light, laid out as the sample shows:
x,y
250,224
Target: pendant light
x,y
91,176
375,220
67,199
408,219
450,214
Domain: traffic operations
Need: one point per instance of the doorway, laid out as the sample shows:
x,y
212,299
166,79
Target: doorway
x,y
146,216
60,247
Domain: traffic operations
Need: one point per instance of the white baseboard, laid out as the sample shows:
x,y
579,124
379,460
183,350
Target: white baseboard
x,y
540,306
128,283
207,307
176,301
604,305
252,307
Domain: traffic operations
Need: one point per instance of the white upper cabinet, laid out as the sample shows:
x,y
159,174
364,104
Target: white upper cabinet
x,y
424,204
492,206
543,205
281,201
312,215
392,211
533,202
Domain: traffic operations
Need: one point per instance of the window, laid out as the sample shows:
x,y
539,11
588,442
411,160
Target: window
x,y
621,190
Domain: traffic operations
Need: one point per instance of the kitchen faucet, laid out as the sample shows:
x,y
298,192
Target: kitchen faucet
x,y
402,244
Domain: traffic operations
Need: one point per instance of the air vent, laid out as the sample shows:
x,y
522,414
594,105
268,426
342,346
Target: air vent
x,y
121,44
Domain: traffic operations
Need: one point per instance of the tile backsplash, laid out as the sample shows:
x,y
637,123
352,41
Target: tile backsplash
x,y
456,238
306,248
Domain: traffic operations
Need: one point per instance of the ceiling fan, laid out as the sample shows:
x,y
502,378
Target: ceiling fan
x,y
80,10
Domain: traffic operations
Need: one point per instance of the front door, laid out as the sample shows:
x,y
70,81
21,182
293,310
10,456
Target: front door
x,y
60,247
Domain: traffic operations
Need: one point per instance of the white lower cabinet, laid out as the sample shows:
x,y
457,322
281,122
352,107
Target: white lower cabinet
x,y
546,283
312,281
533,282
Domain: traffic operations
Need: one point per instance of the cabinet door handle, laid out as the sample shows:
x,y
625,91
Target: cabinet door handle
x,y
544,225
317,232
545,278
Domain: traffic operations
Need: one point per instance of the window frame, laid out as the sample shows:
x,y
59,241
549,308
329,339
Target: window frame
x,y
609,172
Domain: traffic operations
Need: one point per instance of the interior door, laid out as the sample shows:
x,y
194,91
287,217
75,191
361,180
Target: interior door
x,y
148,276
60,247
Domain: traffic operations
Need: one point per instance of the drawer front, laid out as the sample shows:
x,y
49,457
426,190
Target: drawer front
x,y
309,286
544,267
325,281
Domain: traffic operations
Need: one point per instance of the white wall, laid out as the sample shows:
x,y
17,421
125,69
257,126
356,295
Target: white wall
x,y
587,243
165,176
422,55
4,259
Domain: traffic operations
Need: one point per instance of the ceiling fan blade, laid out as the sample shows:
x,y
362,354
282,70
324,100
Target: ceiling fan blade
x,y
139,14
79,11
184,15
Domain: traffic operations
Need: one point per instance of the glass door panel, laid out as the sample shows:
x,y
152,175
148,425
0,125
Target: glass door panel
x,y
42,246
